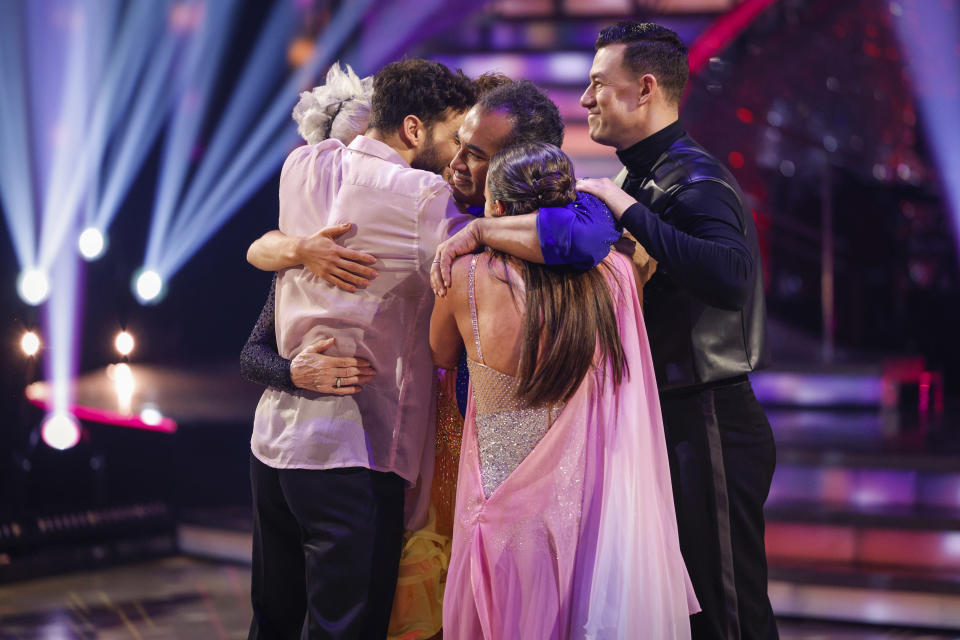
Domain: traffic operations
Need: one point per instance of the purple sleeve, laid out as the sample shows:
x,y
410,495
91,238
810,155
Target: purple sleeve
x,y
260,361
578,235
703,247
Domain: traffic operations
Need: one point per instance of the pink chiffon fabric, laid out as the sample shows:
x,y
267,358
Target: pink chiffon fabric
x,y
580,540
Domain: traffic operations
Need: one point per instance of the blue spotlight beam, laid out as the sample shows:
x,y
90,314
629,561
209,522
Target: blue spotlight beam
x,y
103,34
204,60
137,35
147,116
251,161
16,177
72,115
69,124
255,80
214,216
929,33
62,317
382,41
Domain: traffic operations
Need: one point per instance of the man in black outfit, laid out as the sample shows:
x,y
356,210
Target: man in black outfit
x,y
705,318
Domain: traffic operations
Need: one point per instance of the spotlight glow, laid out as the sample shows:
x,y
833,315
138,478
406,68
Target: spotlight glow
x,y
124,343
124,384
91,243
30,343
149,285
151,416
60,431
33,286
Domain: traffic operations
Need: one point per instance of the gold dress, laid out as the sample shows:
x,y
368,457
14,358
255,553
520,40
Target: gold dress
x,y
418,603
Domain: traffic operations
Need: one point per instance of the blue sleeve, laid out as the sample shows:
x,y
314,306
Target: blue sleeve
x,y
579,234
703,248
260,360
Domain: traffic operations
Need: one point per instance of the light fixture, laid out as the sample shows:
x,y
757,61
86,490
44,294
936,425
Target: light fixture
x,y
124,343
30,343
60,431
33,286
91,243
151,416
148,286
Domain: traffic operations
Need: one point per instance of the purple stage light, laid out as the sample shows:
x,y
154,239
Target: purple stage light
x,y
929,33
60,431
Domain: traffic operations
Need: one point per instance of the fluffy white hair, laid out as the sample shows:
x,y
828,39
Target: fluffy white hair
x,y
340,108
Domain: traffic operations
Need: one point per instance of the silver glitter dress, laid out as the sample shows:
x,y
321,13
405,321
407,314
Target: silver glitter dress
x,y
507,429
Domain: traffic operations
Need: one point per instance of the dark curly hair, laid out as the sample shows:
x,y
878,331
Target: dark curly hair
x,y
651,49
533,116
418,87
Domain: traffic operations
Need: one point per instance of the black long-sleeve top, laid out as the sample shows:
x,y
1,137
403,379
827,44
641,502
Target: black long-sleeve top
x,y
260,361
703,247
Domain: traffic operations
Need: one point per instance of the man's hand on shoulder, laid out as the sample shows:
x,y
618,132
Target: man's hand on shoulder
x,y
616,199
467,240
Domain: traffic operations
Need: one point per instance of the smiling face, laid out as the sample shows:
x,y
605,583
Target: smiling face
x,y
613,100
481,136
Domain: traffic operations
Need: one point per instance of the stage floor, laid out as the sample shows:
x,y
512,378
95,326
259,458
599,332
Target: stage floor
x,y
175,597
187,599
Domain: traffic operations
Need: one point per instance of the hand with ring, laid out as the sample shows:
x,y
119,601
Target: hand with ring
x,y
342,376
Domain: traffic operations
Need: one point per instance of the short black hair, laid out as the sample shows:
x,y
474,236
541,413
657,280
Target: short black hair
x,y
422,88
651,49
533,116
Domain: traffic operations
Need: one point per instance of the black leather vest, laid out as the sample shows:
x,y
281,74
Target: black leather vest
x,y
692,342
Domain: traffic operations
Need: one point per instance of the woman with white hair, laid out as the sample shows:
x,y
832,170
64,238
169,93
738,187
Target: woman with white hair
x,y
340,109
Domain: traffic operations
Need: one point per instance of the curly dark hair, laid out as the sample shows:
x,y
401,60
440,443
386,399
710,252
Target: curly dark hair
x,y
533,116
418,87
651,49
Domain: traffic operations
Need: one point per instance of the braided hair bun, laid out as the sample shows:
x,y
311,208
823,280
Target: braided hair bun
x,y
530,175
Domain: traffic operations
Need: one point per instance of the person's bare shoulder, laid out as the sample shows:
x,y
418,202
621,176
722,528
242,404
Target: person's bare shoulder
x,y
460,276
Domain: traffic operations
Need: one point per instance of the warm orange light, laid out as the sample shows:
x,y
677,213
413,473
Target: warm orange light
x,y
124,343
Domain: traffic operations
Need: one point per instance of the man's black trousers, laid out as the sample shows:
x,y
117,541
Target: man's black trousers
x,y
722,458
326,548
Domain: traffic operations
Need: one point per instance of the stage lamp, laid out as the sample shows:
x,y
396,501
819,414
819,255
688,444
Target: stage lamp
x,y
60,431
124,343
30,343
151,416
148,286
91,243
33,286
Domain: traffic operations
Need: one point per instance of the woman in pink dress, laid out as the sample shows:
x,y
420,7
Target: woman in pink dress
x,y
564,524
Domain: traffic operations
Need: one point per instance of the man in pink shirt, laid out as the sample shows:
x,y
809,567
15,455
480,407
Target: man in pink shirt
x,y
329,471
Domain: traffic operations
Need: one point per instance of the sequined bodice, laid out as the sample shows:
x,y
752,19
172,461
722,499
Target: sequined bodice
x,y
507,429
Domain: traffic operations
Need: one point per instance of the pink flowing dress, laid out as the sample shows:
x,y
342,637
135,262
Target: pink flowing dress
x,y
564,524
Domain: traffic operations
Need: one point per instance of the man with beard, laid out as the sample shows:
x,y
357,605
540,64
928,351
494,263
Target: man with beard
x,y
331,468
329,472
704,312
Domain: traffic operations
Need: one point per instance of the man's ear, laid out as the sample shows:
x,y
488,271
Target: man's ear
x,y
413,132
499,208
648,86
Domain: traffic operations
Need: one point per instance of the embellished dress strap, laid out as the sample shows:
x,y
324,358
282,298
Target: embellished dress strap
x,y
472,296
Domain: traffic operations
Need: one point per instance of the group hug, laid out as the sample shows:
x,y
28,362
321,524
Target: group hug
x,y
503,402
